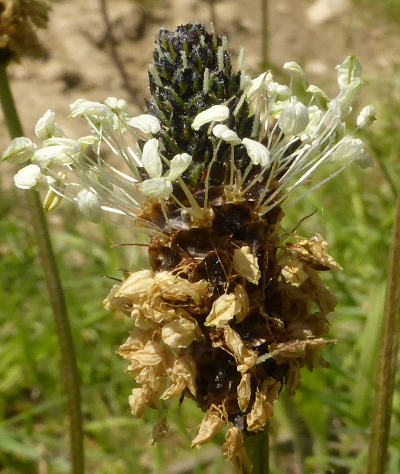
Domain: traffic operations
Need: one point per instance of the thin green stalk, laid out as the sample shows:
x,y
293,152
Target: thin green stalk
x,y
68,361
264,34
387,362
385,171
257,447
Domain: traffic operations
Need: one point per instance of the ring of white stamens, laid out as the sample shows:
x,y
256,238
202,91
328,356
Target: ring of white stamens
x,y
293,142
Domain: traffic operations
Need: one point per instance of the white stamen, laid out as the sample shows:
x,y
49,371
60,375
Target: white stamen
x,y
27,177
151,159
216,113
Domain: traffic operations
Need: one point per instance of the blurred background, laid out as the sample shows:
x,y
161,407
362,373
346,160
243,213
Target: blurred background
x,y
99,48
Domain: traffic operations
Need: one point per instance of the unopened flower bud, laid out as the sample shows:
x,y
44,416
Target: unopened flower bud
x,y
258,153
276,90
89,205
227,135
46,127
27,177
216,113
366,116
19,150
294,118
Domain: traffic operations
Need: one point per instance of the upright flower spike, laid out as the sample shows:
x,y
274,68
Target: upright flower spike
x,y
231,310
191,80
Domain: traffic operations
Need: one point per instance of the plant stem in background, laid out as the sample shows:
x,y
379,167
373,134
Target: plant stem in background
x,y
264,35
257,447
119,64
48,262
385,171
387,362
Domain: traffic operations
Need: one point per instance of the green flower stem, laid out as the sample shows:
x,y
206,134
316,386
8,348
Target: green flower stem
x,y
387,362
257,447
68,361
385,171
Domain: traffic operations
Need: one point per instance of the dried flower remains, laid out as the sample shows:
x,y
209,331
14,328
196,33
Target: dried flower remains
x,y
19,23
229,312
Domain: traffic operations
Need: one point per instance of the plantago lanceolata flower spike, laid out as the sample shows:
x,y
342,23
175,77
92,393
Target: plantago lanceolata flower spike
x,y
233,306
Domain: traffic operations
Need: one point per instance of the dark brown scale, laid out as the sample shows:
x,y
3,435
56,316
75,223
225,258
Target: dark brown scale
x,y
163,258
155,215
216,196
217,376
230,218
254,330
194,242
210,269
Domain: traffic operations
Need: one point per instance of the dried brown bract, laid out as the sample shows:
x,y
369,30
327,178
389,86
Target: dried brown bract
x,y
230,321
19,22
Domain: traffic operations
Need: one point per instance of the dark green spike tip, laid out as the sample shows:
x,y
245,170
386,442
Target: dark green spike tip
x,y
191,72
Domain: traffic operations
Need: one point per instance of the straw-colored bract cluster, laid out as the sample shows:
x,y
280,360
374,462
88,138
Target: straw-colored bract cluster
x,y
19,22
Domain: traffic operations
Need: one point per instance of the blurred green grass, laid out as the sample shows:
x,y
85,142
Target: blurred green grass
x,y
354,213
